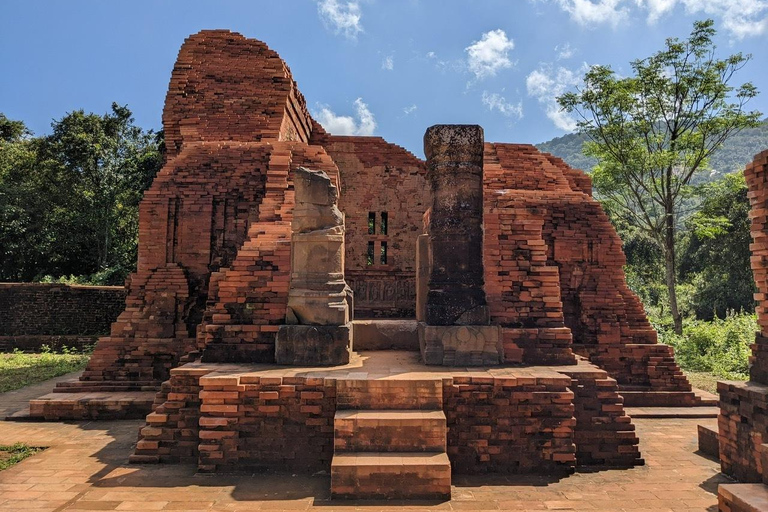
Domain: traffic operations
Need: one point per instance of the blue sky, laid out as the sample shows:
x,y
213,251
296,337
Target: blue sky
x,y
383,67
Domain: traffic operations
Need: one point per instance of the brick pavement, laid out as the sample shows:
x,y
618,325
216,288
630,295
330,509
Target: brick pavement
x,y
86,468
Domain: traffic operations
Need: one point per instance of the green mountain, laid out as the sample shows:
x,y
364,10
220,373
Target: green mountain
x,y
737,152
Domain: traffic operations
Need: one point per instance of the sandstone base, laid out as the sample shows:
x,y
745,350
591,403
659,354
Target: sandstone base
x,y
461,345
313,344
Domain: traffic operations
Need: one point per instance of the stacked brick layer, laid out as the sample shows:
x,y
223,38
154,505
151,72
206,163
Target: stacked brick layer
x,y
743,420
225,87
756,174
553,261
36,314
379,177
537,420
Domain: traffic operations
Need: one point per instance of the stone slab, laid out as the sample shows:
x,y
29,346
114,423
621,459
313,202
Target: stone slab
x,y
471,345
386,334
325,345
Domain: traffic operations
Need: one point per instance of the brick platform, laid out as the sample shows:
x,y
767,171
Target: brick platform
x,y
511,420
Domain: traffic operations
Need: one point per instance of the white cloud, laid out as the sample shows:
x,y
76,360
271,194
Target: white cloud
x,y
409,110
564,51
388,63
342,18
490,54
496,101
740,18
431,55
365,124
546,84
587,12
656,8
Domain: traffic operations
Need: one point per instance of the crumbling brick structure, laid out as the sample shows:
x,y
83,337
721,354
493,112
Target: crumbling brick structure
x,y
742,423
214,278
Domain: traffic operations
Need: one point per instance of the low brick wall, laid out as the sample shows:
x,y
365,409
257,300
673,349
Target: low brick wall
x,y
36,314
743,427
510,425
226,419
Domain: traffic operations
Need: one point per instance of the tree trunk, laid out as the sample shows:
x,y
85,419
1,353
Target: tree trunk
x,y
671,267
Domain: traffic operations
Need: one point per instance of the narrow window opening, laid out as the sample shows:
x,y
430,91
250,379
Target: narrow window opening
x,y
383,253
371,223
370,255
384,222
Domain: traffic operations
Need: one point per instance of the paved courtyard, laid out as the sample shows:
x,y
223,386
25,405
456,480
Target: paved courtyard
x,y
86,468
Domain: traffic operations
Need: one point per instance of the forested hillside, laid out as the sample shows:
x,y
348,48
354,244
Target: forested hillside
x,y
733,156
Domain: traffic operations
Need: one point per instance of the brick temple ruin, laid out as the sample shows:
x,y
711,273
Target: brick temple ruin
x,y
307,301
743,419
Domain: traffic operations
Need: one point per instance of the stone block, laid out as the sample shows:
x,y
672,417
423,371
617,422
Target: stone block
x,y
313,344
461,345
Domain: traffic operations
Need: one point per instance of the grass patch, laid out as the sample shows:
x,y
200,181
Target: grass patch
x,y
18,370
708,381
15,453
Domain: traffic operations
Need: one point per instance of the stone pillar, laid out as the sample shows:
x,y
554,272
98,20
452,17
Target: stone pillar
x,y
455,328
455,172
319,311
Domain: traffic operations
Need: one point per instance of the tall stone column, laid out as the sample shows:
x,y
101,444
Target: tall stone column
x,y
319,300
455,328
455,172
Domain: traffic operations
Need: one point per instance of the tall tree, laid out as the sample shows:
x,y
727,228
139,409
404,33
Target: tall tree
x,y
652,132
70,199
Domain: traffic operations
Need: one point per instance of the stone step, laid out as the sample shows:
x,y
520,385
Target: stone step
x,y
660,398
391,475
389,431
423,394
743,497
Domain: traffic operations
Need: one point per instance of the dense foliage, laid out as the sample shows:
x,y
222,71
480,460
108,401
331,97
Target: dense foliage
x,y
719,347
69,200
654,131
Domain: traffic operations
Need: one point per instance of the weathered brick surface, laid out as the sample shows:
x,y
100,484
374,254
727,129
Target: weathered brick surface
x,y
379,177
36,314
742,423
515,425
225,87
172,430
266,423
553,261
604,434
756,174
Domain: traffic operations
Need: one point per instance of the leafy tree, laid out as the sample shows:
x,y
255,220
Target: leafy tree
x,y
71,198
715,253
654,131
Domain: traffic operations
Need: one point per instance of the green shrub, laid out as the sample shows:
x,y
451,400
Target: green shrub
x,y
720,347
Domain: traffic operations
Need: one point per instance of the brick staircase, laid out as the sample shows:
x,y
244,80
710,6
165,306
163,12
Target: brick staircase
x,y
390,440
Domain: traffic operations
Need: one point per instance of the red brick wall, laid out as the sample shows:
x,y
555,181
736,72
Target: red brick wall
x,y
260,100
756,174
33,314
377,177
